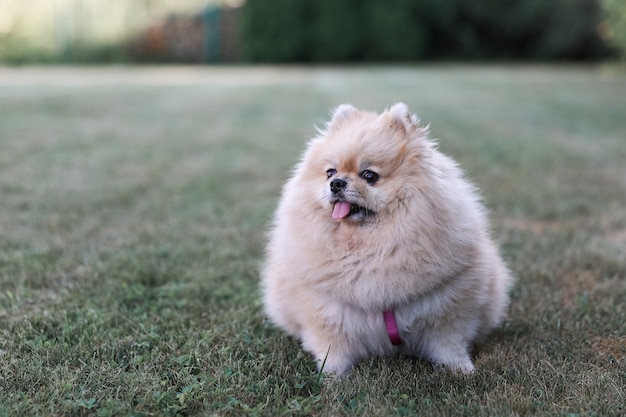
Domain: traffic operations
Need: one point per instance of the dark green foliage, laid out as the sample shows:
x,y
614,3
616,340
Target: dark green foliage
x,y
572,30
337,30
485,29
516,29
269,30
394,33
408,30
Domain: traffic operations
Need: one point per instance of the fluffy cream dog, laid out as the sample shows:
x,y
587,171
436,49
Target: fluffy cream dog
x,y
380,247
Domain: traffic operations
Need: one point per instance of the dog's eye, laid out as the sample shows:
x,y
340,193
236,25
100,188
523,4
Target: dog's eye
x,y
331,172
370,176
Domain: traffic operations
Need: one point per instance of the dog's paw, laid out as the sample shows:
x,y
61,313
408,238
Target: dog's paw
x,y
334,364
459,365
335,368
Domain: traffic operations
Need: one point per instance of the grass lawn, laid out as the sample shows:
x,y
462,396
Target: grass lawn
x,y
133,204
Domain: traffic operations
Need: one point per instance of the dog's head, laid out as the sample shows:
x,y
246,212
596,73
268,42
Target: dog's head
x,y
364,164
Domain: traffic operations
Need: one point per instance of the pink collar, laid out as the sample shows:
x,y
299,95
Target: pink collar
x,y
392,327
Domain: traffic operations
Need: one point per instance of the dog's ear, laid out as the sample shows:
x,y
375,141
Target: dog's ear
x,y
401,113
340,114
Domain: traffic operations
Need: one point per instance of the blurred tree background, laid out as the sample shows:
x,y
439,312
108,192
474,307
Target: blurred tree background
x,y
411,30
310,30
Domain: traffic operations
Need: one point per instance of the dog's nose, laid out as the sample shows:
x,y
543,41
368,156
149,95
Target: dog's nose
x,y
337,185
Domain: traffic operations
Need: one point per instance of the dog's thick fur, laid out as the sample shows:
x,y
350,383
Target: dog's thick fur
x,y
415,241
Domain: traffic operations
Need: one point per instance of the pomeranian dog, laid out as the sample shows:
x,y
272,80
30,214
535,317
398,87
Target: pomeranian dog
x,y
380,246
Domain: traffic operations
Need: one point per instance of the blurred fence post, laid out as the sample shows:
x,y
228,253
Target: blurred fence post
x,y
212,35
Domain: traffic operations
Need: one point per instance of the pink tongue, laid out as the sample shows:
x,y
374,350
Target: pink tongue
x,y
341,210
